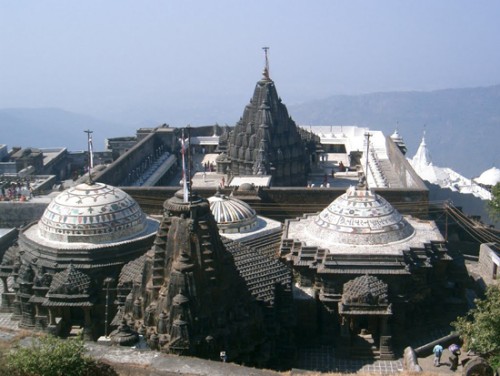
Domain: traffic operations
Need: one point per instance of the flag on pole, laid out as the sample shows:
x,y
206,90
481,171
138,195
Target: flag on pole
x,y
184,175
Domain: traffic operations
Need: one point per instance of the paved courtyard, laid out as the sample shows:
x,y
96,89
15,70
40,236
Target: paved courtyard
x,y
323,359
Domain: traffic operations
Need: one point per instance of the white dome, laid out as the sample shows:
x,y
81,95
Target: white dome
x,y
489,177
232,215
95,213
360,216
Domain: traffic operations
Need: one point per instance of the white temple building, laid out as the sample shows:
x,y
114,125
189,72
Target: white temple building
x,y
446,177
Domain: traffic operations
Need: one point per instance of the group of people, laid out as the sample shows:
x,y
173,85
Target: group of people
x,y
454,350
209,167
16,191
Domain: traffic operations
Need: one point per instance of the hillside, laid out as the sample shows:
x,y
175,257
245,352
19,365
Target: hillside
x,y
51,127
462,125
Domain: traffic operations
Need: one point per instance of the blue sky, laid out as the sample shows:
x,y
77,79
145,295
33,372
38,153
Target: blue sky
x,y
140,61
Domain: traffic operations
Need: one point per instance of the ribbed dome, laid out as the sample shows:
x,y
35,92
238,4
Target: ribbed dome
x,y
95,213
360,216
231,214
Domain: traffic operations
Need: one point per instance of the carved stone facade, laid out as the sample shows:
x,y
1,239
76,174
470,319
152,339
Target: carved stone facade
x,y
369,270
63,263
187,295
266,141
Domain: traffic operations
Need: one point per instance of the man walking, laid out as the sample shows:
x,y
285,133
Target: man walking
x,y
438,351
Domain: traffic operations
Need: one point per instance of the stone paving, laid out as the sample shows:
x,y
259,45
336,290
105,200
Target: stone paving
x,y
6,323
323,359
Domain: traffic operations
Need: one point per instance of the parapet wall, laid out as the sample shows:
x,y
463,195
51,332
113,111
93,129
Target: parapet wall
x,y
407,176
116,173
17,214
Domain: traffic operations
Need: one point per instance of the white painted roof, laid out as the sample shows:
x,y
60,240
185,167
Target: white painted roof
x,y
256,180
489,177
361,224
443,176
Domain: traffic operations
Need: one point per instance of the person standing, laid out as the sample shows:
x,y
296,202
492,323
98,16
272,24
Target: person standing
x,y
455,352
438,351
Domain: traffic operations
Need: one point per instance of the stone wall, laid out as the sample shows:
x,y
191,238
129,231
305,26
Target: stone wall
x,y
8,238
488,259
118,171
402,168
281,203
276,203
17,214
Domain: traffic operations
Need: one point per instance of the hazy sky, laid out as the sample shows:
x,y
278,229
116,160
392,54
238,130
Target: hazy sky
x,y
139,60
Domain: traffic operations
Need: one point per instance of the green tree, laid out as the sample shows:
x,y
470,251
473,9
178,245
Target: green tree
x,y
494,204
51,356
480,328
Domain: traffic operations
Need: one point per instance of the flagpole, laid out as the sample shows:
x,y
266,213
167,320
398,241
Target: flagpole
x,y
89,149
189,163
184,174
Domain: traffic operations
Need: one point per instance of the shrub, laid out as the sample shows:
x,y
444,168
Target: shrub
x,y
51,356
480,328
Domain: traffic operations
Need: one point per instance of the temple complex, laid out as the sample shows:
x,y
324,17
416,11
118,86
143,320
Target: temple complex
x,y
365,270
266,141
216,278
63,264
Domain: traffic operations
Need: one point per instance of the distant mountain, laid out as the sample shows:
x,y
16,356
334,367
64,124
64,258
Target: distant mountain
x,y
462,125
52,127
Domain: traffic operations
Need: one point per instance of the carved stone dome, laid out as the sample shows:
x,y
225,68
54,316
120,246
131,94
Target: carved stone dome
x,y
96,213
366,289
232,215
360,216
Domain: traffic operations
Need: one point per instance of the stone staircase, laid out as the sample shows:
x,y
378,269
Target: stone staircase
x,y
364,347
391,177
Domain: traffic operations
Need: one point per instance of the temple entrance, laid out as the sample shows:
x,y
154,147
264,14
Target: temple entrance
x,y
364,337
366,325
364,311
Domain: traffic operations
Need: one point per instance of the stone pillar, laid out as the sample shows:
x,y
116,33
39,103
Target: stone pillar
x,y
87,328
386,352
344,341
52,328
5,285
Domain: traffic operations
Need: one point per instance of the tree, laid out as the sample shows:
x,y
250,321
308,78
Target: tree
x,y
480,328
51,356
494,204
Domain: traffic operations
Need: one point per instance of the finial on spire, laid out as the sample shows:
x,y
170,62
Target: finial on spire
x,y
266,68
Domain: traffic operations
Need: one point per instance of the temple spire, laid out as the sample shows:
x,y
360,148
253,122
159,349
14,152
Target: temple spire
x,y
266,68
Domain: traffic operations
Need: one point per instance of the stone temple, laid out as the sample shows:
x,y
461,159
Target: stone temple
x,y
266,141
194,293
63,264
364,271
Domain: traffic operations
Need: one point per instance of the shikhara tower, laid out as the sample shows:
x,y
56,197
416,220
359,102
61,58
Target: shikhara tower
x,y
266,141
